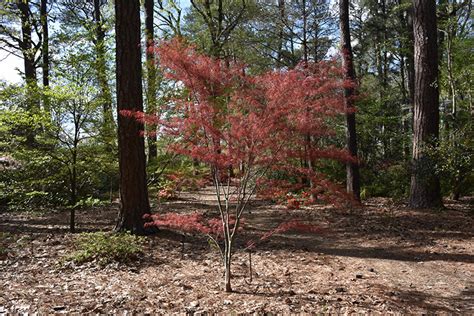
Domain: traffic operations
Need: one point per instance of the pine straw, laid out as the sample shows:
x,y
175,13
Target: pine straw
x,y
381,258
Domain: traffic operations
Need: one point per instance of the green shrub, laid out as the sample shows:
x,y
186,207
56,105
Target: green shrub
x,y
106,248
391,181
454,165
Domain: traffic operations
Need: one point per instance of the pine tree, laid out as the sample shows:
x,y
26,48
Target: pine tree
x,y
425,186
133,188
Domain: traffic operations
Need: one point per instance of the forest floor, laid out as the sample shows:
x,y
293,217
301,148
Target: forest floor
x,y
380,258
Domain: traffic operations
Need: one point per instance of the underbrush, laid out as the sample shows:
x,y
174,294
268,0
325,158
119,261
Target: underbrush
x,y
106,247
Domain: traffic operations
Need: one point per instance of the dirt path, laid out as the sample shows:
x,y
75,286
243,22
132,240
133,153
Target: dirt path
x,y
380,258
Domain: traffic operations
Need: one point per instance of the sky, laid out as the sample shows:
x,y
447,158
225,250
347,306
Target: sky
x,y
10,65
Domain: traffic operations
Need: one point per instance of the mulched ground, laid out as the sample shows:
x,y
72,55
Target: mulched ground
x,y
381,258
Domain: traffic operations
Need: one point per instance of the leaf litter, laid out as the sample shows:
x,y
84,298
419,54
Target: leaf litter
x,y
381,258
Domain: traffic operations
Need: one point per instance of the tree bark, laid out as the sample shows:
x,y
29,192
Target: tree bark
x,y
151,75
133,189
305,35
26,46
382,74
406,105
443,17
45,50
410,63
73,198
227,268
425,187
281,33
352,168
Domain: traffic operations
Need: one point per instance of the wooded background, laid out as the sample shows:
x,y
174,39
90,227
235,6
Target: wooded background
x,y
85,60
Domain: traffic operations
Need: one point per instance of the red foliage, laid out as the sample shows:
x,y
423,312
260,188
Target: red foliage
x,y
264,124
167,194
292,203
184,181
230,118
188,223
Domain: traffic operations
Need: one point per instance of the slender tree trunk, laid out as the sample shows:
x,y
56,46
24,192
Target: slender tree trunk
x,y
316,44
452,82
108,128
305,35
45,50
227,270
73,170
151,75
72,221
309,144
383,79
451,114
443,17
410,63
425,187
352,168
451,30
281,32
133,189
26,46
405,105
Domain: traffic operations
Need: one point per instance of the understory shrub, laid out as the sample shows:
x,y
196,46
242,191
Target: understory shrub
x,y
105,248
388,181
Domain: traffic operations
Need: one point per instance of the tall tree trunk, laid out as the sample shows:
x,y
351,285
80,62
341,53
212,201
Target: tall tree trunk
x,y
108,129
281,33
425,187
308,163
403,108
73,197
133,189
450,35
151,75
45,50
410,63
316,43
406,104
26,45
352,168
28,54
383,79
305,33
73,168
443,17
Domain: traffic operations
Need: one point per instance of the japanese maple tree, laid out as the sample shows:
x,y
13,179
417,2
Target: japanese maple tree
x,y
257,123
